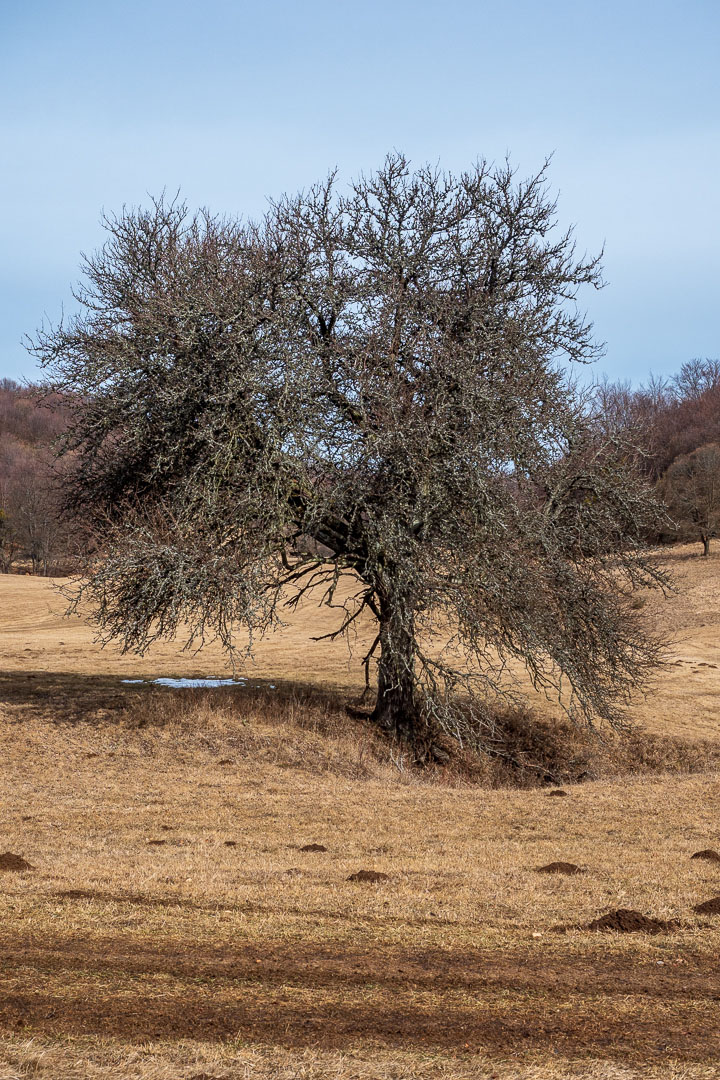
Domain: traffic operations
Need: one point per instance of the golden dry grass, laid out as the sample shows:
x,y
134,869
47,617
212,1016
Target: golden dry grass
x,y
195,958
684,700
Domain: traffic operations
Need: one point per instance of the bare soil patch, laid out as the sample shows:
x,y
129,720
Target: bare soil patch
x,y
313,847
10,861
369,875
708,907
627,921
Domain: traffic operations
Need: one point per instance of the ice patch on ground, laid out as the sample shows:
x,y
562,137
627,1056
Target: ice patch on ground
x,y
183,684
190,684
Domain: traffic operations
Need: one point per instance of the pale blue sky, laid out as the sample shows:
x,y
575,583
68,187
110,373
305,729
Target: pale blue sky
x,y
104,102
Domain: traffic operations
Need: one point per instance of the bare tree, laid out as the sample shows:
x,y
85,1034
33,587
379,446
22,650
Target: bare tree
x,y
666,417
696,378
30,526
34,516
691,490
8,543
380,372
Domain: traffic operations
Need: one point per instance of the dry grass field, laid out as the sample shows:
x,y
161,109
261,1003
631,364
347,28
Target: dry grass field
x,y
171,926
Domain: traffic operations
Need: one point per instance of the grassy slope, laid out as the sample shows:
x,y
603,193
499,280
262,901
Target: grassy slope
x,y
194,957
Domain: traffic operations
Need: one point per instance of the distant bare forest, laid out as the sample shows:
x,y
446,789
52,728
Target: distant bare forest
x,y
33,536
672,418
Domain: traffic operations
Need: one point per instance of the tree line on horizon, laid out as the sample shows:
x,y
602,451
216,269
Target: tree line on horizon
x,y
676,424
34,538
674,420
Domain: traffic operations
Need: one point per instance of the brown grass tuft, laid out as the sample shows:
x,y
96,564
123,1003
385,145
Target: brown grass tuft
x,y
309,729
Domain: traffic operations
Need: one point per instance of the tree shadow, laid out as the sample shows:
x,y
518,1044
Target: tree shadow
x,y
72,698
338,996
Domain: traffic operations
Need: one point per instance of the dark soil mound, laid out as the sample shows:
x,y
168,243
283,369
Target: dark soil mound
x,y
314,847
627,921
231,843
368,875
709,907
156,843
226,761
8,861
78,894
559,868
557,793
707,853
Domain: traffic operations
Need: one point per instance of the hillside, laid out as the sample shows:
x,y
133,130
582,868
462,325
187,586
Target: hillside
x,y
188,911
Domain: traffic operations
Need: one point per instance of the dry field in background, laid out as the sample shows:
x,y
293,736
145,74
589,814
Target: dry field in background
x,y
172,927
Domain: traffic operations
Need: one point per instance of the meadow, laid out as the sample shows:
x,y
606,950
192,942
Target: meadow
x,y
188,911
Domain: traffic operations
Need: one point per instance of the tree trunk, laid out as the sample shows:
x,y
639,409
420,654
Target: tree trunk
x,y
706,544
396,710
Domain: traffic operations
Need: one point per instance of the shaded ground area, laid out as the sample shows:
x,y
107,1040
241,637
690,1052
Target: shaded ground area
x,y
70,697
302,995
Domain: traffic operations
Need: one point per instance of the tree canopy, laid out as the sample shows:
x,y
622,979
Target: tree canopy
x,y
370,384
